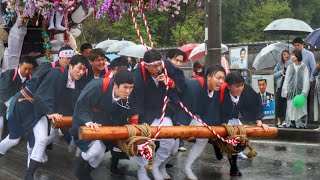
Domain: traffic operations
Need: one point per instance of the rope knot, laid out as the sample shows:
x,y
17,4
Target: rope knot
x,y
237,143
138,145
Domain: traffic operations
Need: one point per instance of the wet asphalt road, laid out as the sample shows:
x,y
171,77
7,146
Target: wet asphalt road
x,y
275,160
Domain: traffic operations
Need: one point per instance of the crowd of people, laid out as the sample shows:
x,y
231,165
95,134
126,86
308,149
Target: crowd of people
x,y
297,73
98,92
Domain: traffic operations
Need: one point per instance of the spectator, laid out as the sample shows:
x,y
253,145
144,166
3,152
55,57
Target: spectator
x,y
295,83
198,70
309,60
316,74
279,75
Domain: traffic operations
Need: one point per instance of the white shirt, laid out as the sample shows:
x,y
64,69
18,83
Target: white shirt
x,y
21,77
296,67
71,83
210,94
156,81
115,99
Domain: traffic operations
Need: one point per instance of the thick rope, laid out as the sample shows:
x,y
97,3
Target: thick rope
x,y
129,145
243,141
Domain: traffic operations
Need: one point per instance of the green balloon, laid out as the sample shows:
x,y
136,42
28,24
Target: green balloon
x,y
299,101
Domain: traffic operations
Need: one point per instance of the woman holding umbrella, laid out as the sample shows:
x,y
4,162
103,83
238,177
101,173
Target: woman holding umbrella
x,y
279,75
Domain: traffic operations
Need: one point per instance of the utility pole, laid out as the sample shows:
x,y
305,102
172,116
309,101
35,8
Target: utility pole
x,y
213,32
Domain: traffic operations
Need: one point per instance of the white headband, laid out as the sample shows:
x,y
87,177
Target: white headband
x,y
66,53
153,63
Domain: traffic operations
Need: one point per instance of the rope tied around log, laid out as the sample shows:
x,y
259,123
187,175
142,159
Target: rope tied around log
x,y
129,145
243,141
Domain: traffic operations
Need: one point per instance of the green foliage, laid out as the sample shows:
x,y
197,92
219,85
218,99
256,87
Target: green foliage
x,y
307,11
96,31
242,21
190,31
250,28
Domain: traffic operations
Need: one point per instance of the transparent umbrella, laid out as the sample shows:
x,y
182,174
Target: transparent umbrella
x,y
118,46
288,26
136,51
270,55
104,45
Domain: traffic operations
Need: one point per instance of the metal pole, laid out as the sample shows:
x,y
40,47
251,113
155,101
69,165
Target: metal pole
x,y
213,43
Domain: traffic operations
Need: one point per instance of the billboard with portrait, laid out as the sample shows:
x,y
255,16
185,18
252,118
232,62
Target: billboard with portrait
x,y
264,86
239,57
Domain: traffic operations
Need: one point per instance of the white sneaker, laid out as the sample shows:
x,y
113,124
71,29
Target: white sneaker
x,y
318,129
182,149
242,156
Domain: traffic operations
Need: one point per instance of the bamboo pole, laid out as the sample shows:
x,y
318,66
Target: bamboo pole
x,y
183,132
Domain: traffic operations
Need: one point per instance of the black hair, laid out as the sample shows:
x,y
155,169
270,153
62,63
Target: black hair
x,y
234,78
85,46
96,53
118,62
242,49
197,65
79,59
28,60
123,77
298,54
65,48
265,80
214,69
297,40
173,53
151,56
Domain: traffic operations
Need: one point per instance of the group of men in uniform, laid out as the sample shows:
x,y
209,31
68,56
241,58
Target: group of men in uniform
x,y
99,95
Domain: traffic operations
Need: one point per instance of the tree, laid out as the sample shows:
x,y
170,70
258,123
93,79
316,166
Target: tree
x,y
191,30
307,11
250,28
95,31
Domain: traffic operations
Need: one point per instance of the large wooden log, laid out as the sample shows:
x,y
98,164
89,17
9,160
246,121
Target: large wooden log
x,y
65,122
183,132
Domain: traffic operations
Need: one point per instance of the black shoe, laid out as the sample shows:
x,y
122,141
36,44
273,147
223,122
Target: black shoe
x,y
82,169
49,146
217,151
234,170
33,166
168,165
116,156
119,155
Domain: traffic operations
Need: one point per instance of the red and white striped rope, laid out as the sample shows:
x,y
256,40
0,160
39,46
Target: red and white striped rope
x,y
145,23
137,28
233,141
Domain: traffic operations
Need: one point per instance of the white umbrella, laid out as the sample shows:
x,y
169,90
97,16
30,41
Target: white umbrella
x,y
198,53
288,26
104,45
118,46
136,51
270,55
